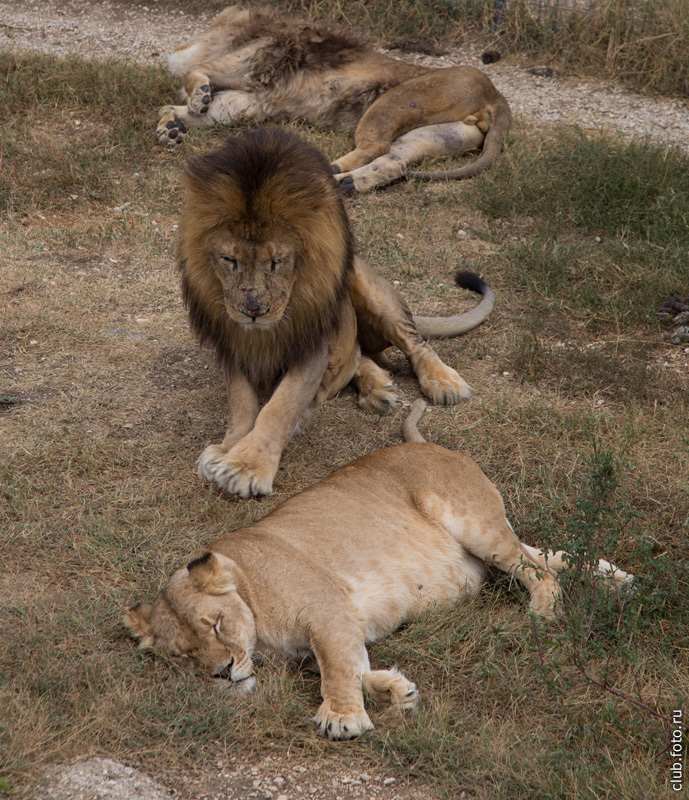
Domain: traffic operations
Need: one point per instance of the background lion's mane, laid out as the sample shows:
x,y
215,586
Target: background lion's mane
x,y
266,184
293,44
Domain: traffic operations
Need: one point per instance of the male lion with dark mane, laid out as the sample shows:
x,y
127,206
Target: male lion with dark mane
x,y
253,67
270,279
343,563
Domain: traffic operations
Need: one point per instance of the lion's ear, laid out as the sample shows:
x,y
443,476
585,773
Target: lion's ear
x,y
137,620
213,573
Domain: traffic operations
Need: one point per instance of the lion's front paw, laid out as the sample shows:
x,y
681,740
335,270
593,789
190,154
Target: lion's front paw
x,y
199,99
336,723
443,386
240,470
171,130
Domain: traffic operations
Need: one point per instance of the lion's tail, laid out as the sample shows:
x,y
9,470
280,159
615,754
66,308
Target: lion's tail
x,y
409,429
492,147
444,327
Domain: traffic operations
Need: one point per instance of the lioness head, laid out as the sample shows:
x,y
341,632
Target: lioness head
x,y
199,619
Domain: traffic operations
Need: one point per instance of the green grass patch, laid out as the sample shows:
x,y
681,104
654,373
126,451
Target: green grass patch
x,y
607,222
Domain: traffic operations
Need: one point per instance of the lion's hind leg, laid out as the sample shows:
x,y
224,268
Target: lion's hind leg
x,y
376,392
446,139
391,687
384,319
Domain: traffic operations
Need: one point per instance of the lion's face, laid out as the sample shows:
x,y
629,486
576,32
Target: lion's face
x,y
199,620
256,277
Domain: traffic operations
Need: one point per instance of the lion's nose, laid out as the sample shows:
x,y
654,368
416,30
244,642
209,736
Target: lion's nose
x,y
252,304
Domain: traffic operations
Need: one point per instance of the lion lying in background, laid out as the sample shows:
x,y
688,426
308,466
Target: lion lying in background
x,y
253,66
343,563
270,279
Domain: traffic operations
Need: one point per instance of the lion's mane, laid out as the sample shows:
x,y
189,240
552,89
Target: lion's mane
x,y
292,45
264,185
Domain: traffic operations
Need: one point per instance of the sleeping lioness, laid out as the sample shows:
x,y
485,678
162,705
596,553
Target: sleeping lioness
x,y
343,563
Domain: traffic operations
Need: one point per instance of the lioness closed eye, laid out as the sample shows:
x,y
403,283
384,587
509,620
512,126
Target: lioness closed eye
x,y
270,279
252,67
343,563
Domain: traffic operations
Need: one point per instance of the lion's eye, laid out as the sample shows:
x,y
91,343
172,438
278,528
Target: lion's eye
x,y
276,263
229,262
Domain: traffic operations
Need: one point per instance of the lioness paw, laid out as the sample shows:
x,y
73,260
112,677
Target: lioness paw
x,y
199,99
545,599
346,725
390,686
171,130
237,471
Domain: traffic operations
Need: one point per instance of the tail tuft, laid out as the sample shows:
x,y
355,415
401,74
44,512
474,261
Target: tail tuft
x,y
471,281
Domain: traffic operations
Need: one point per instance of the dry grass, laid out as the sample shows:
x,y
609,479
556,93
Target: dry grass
x,y
107,402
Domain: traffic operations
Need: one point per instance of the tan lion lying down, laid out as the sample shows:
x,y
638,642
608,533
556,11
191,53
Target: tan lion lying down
x,y
343,563
252,67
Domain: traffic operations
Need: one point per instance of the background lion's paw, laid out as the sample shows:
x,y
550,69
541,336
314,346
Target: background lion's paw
x,y
200,99
337,725
171,130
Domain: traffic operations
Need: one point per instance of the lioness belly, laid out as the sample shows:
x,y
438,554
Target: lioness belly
x,y
441,577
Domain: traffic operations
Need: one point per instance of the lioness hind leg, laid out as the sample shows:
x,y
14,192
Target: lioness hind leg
x,y
375,387
556,561
483,530
390,686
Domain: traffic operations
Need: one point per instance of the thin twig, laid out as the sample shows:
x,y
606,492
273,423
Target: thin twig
x,y
16,27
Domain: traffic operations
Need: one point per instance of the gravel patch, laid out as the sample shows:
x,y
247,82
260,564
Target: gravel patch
x,y
99,778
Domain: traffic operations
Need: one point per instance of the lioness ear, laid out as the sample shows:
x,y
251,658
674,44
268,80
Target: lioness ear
x,y
137,620
213,573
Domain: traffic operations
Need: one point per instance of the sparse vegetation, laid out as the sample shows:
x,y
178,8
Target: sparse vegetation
x,y
580,417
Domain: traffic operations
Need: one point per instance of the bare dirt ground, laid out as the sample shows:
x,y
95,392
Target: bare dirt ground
x,y
146,33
